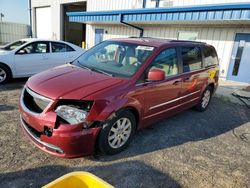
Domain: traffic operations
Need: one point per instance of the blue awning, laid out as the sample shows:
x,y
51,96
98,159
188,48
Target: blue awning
x,y
221,12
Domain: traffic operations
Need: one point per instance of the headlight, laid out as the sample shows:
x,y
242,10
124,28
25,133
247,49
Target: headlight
x,y
71,114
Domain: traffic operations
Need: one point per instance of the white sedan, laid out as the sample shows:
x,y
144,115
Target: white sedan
x,y
26,57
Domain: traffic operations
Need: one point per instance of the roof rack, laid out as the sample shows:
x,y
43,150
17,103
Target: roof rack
x,y
151,38
170,40
144,37
188,41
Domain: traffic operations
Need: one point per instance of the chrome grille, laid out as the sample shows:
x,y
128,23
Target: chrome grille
x,y
34,102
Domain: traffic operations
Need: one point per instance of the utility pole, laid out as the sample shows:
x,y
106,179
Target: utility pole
x,y
1,16
30,14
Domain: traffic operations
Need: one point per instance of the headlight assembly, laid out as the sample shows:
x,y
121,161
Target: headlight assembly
x,y
71,114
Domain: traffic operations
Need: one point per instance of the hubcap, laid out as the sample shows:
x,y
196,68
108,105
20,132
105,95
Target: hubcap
x,y
206,99
119,132
2,75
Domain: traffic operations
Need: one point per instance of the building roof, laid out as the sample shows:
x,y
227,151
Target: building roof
x,y
218,12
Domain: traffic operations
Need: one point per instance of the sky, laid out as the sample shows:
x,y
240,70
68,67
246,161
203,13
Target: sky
x,y
15,11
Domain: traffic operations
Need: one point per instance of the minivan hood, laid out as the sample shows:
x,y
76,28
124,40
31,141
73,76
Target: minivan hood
x,y
70,82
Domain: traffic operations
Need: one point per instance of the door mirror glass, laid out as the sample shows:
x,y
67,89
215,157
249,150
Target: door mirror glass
x,y
156,75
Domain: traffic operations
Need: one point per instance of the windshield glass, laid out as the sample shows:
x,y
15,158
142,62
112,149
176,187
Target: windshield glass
x,y
115,58
14,45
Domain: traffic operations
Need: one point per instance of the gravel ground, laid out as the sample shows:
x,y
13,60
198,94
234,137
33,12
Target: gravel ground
x,y
191,149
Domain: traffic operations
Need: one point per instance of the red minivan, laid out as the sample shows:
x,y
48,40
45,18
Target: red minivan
x,y
115,88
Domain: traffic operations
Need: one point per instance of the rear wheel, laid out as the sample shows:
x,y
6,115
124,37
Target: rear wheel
x,y
205,100
117,133
5,74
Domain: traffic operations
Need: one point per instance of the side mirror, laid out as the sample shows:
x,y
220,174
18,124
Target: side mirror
x,y
21,52
156,75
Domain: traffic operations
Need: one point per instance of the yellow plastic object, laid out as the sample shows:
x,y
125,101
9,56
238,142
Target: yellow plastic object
x,y
78,180
83,44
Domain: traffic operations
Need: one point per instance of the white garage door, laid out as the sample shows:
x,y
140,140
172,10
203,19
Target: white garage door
x,y
43,22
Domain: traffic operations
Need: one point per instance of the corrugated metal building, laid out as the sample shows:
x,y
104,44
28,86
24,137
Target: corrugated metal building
x,y
225,24
10,32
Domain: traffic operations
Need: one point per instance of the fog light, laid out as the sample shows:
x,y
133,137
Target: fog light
x,y
48,131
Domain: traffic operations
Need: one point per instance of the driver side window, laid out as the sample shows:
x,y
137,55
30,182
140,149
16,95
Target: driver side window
x,y
167,62
35,47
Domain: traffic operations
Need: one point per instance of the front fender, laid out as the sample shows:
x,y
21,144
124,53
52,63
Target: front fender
x,y
8,60
101,111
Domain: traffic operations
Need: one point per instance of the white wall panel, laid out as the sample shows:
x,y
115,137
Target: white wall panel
x,y
204,2
101,5
43,22
90,36
113,31
56,16
39,3
222,38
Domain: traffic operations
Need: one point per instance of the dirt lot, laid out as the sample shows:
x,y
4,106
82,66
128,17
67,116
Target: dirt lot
x,y
210,149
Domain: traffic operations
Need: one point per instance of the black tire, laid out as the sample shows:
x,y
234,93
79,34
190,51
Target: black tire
x,y
200,107
103,139
7,71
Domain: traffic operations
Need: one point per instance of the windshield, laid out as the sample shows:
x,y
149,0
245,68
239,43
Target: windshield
x,y
14,45
115,58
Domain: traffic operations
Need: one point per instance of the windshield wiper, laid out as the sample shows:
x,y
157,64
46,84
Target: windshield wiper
x,y
101,71
93,69
83,66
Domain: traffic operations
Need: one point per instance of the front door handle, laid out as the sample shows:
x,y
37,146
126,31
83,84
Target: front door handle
x,y
186,79
196,76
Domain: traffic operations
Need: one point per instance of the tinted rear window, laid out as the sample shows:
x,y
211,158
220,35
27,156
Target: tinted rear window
x,y
191,58
210,56
61,47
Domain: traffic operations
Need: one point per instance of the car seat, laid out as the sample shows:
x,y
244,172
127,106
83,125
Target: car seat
x,y
130,58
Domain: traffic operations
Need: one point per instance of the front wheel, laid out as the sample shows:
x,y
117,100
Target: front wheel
x,y
117,133
5,74
205,100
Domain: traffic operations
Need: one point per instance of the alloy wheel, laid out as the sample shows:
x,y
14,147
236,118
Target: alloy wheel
x,y
3,75
119,133
206,98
